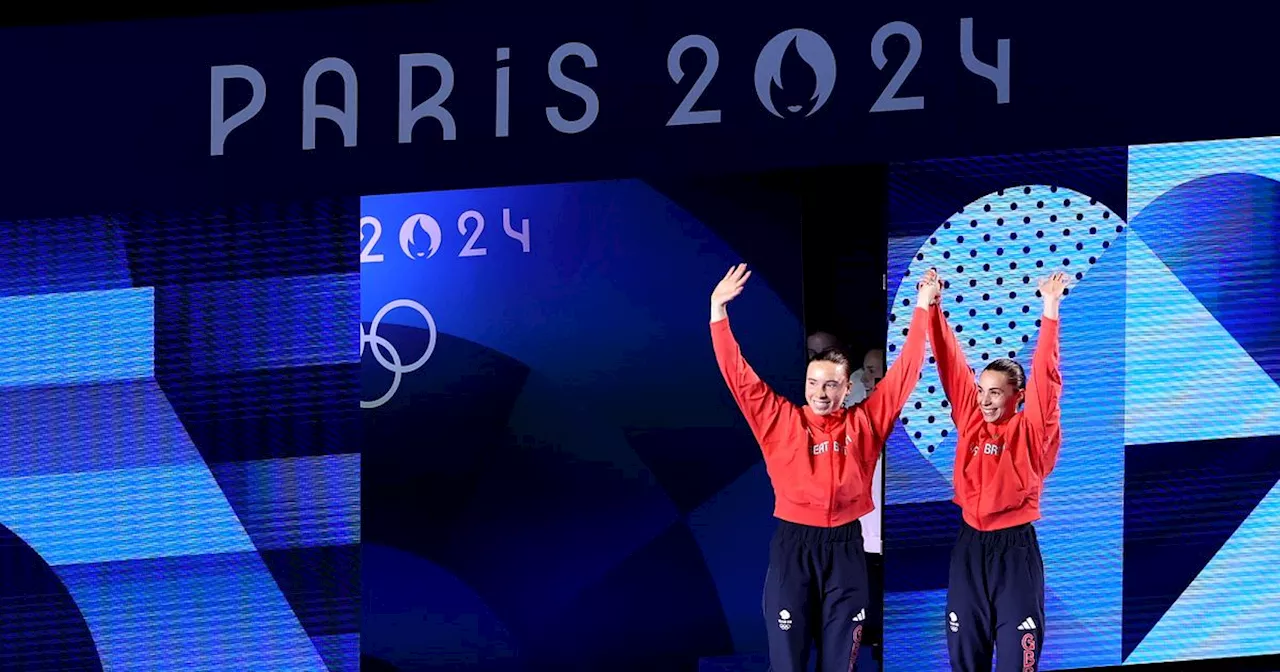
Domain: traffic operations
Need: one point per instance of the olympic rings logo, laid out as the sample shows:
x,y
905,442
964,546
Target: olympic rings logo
x,y
378,345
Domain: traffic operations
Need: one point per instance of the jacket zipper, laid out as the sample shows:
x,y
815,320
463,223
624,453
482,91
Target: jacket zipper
x,y
981,445
831,483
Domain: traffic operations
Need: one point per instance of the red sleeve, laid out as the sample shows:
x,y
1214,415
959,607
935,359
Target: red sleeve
x,y
886,401
958,380
1044,394
765,410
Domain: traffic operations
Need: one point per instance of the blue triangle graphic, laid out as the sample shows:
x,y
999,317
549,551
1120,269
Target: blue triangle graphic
x,y
1226,611
1182,502
1218,233
1168,337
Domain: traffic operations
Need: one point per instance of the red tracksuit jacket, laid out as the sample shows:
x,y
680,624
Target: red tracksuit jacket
x,y
1000,467
821,466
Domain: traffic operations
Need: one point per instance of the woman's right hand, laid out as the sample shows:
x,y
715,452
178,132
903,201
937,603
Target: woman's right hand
x,y
929,289
728,289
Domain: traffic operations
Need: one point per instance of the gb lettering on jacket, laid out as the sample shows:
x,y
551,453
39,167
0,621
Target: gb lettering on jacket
x,y
822,448
988,449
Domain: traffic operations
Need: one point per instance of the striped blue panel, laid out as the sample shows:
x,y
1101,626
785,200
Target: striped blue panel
x,y
81,337
1156,169
211,612
63,255
121,515
296,502
341,652
244,325
322,584
1219,614
1168,333
1082,529
916,630
56,430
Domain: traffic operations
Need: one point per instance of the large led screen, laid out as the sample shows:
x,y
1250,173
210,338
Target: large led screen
x,y
1159,521
556,476
179,441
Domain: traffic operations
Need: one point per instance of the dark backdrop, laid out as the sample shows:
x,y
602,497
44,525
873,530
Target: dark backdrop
x,y
566,484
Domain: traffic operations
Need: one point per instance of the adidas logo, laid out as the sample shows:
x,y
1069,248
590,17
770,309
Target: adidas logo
x,y
862,616
1028,624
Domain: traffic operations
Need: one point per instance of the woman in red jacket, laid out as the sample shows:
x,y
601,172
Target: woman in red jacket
x,y
995,591
820,459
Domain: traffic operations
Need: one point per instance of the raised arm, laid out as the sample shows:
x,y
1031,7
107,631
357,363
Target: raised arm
x,y
760,405
958,380
885,402
1044,390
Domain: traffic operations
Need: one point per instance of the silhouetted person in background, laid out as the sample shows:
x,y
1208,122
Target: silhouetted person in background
x,y
870,374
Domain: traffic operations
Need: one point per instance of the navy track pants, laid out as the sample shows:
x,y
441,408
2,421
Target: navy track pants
x,y
815,594
995,600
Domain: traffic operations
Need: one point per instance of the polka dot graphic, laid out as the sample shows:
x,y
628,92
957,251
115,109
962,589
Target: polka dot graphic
x,y
991,256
